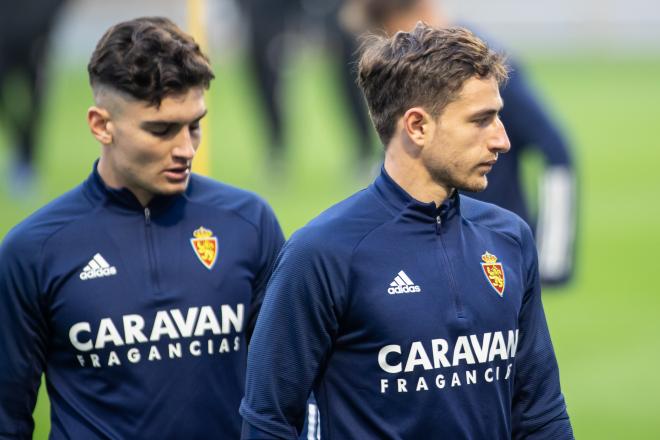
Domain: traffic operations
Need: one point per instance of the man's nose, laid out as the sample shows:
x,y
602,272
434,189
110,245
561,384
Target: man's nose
x,y
500,141
185,147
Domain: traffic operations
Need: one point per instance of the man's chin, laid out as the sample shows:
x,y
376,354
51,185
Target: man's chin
x,y
174,189
475,186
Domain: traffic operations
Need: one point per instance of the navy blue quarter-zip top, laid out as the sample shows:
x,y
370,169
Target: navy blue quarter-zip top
x,y
138,315
414,321
445,263
153,272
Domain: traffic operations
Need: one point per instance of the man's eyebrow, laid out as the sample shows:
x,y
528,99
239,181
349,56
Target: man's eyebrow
x,y
158,122
486,112
197,119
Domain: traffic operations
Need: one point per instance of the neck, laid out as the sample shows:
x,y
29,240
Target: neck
x,y
412,176
111,180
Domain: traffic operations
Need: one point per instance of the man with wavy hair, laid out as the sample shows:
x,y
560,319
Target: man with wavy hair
x,y
421,317
530,128
136,291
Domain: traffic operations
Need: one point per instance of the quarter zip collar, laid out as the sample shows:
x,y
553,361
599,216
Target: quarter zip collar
x,y
399,200
122,199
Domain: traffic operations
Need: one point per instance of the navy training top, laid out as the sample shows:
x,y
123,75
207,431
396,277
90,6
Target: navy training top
x,y
407,321
138,316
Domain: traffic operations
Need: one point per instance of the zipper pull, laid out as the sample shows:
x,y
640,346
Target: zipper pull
x,y
438,224
147,216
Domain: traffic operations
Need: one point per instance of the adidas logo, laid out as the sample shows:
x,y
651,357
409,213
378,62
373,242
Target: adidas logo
x,y
97,268
403,284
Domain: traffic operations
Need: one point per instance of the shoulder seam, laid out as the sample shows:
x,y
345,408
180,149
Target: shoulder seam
x,y
366,234
511,237
78,218
233,212
46,240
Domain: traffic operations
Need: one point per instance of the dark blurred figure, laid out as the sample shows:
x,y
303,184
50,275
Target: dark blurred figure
x,y
528,126
25,27
269,21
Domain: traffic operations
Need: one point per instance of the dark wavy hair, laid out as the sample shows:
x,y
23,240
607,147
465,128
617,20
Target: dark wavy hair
x,y
425,67
148,58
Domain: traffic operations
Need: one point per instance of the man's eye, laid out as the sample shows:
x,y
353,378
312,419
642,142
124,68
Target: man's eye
x,y
482,122
195,126
161,130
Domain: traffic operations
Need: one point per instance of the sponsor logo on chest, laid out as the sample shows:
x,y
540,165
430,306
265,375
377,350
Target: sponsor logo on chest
x,y
448,363
162,334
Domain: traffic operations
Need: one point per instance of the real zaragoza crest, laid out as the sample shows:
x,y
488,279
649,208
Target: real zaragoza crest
x,y
205,246
494,272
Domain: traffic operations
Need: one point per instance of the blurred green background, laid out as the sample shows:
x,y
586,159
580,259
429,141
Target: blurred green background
x,y
605,325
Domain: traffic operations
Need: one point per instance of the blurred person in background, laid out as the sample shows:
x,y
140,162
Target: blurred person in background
x,y
25,28
529,127
269,23
136,292
422,316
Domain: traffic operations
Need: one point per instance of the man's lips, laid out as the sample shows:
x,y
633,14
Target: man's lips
x,y
488,163
177,173
486,166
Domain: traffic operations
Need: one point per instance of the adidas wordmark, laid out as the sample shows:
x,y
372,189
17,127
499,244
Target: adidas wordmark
x,y
403,284
97,268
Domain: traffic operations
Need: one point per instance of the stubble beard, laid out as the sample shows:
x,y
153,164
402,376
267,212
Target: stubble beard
x,y
443,176
477,187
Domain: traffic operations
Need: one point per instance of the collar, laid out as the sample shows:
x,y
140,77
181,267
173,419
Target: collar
x,y
399,200
122,198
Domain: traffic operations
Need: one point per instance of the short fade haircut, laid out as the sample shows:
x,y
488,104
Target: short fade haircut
x,y
425,67
148,58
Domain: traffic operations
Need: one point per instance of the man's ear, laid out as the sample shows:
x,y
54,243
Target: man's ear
x,y
99,123
417,124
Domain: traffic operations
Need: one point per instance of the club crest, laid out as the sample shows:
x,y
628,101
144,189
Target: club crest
x,y
205,246
494,272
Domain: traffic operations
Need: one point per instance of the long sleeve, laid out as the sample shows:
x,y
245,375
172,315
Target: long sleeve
x,y
271,241
556,226
22,338
292,339
538,408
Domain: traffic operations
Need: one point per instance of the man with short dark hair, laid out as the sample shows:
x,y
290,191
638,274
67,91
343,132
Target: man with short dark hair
x,y
411,311
136,291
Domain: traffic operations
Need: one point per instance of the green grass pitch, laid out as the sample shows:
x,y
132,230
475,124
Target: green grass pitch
x,y
605,326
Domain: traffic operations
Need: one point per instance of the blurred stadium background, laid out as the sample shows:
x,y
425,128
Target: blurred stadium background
x,y
597,64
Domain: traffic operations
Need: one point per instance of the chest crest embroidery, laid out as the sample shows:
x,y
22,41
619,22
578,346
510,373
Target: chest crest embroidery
x,y
494,272
205,245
